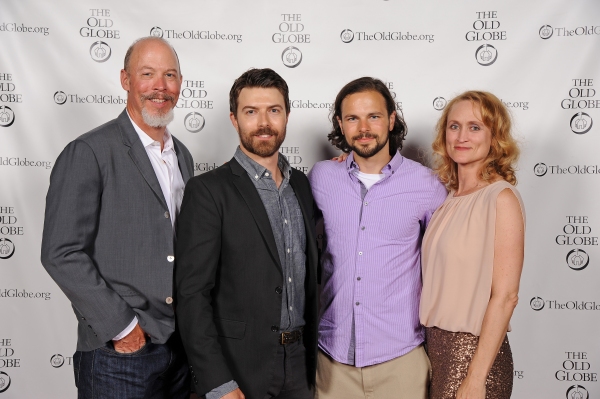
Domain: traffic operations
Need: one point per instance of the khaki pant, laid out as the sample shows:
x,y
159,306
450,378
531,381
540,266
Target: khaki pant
x,y
405,377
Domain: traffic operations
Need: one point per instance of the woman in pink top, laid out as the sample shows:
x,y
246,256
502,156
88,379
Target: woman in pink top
x,y
472,252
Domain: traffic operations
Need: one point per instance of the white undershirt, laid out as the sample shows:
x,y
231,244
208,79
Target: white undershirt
x,y
368,179
169,177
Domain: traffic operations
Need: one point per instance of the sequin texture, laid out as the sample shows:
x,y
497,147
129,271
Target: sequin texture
x,y
450,354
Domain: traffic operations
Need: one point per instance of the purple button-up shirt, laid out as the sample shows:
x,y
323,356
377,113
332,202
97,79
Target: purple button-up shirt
x,y
371,263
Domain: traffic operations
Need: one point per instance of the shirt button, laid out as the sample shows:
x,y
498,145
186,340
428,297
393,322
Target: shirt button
x,y
274,328
266,174
288,250
366,203
167,215
360,253
290,279
285,221
256,177
290,308
278,290
170,258
362,228
169,300
358,278
357,303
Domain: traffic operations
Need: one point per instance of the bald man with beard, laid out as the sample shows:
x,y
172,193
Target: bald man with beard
x,y
109,236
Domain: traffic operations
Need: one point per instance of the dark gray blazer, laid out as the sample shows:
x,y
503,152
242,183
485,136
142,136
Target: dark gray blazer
x,y
229,280
108,239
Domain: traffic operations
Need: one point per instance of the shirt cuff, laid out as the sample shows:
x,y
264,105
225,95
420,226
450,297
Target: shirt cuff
x,y
127,329
223,390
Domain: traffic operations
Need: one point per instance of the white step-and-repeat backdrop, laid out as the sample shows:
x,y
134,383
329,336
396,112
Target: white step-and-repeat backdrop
x,y
59,78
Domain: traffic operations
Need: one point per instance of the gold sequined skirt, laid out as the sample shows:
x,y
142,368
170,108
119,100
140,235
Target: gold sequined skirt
x,y
450,354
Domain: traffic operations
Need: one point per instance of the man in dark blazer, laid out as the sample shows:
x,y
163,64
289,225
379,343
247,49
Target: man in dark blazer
x,y
108,238
247,259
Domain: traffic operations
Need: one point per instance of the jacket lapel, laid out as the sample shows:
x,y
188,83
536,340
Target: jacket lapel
x,y
183,166
139,156
246,188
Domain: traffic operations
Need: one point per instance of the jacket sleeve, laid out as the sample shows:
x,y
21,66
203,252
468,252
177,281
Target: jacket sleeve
x,y
73,206
198,254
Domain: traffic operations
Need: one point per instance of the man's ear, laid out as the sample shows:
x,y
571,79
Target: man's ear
x,y
234,121
339,121
125,80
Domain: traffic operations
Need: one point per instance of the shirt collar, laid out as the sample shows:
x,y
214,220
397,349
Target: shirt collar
x,y
148,141
390,168
257,171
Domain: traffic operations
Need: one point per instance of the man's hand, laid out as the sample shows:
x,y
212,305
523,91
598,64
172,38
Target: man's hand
x,y
132,342
237,394
340,158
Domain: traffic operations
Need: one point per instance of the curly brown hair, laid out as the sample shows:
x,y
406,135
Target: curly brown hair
x,y
504,150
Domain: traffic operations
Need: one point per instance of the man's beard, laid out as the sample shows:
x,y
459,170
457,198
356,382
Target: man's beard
x,y
368,152
158,120
262,148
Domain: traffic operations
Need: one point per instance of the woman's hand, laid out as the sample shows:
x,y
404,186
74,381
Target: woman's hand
x,y
470,389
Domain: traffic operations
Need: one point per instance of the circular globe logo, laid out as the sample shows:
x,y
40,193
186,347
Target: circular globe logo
x,y
194,122
347,35
537,303
546,32
578,259
156,32
439,103
581,123
57,360
486,55
7,116
60,97
4,381
100,51
291,57
540,169
7,248
577,392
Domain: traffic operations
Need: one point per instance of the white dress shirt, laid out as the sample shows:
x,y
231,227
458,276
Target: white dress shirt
x,y
169,177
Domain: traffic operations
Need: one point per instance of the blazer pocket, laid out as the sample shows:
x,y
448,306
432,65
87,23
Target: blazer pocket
x,y
230,328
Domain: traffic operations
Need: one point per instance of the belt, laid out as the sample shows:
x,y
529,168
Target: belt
x,y
289,337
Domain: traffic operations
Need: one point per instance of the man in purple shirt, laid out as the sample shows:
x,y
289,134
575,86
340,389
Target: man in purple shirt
x,y
375,206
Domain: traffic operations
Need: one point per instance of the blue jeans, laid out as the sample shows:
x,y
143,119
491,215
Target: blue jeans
x,y
153,372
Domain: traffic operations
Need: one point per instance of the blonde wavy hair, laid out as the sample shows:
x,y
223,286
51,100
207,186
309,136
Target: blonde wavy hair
x,y
504,150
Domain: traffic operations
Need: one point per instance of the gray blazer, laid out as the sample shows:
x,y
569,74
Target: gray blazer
x,y
108,239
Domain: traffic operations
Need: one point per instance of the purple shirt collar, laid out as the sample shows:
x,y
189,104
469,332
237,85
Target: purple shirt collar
x,y
389,169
